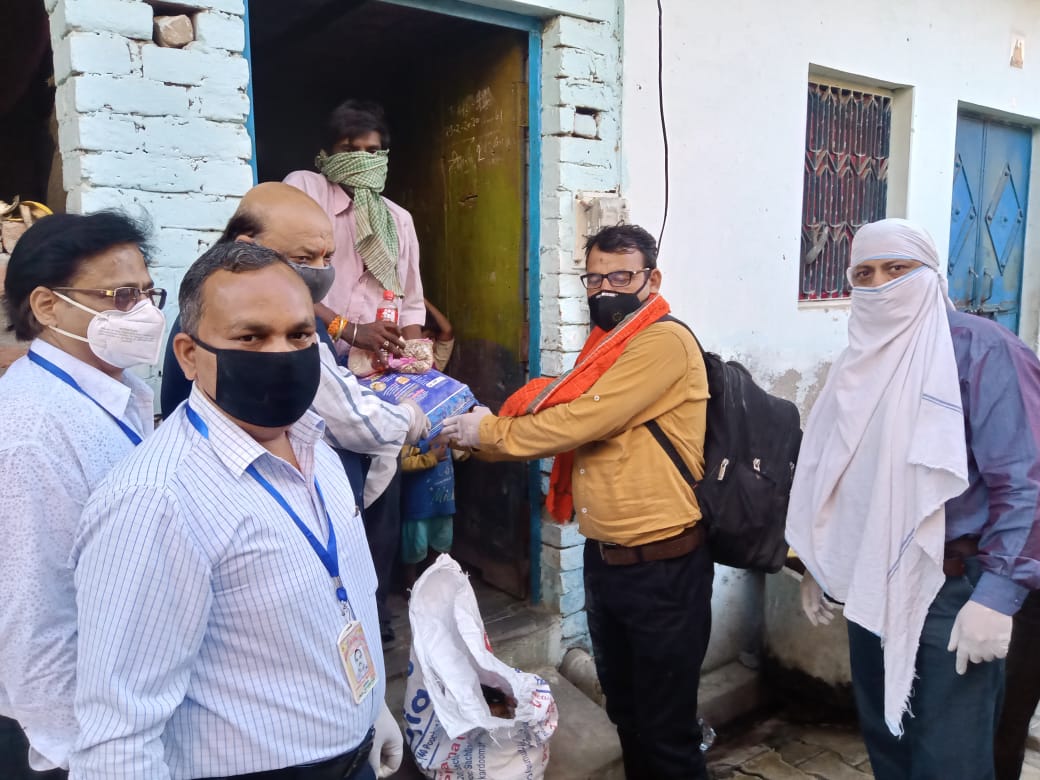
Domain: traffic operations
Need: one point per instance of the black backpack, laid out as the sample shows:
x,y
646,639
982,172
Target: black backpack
x,y
750,448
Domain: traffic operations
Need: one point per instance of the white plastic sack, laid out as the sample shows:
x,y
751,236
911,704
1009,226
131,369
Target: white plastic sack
x,y
451,731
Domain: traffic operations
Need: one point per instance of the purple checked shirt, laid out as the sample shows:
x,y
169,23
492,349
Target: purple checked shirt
x,y
1000,392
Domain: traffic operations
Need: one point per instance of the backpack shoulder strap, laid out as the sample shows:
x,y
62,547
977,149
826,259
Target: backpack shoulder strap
x,y
666,444
655,430
697,341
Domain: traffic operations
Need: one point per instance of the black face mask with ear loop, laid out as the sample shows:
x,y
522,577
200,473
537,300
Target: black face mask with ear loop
x,y
607,308
269,389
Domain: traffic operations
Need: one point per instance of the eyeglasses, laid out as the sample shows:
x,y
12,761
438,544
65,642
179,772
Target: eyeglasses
x,y
123,298
616,278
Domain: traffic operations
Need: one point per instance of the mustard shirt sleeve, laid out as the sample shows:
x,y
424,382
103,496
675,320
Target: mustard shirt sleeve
x,y
651,363
414,460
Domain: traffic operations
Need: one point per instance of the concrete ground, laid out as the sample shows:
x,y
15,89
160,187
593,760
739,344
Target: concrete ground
x,y
778,748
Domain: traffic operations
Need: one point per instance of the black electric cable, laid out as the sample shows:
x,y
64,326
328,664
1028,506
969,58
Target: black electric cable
x,y
660,103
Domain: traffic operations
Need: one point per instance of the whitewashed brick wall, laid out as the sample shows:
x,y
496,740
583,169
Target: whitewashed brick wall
x,y
152,129
581,113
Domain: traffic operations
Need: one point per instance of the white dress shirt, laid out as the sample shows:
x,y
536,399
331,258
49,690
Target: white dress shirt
x,y
208,624
357,419
56,446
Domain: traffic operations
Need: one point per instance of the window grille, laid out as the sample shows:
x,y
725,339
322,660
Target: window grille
x,y
847,135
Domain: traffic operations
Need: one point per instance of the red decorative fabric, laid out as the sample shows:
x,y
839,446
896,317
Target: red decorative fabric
x,y
601,349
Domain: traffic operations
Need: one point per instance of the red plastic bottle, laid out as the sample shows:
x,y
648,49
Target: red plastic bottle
x,y
387,311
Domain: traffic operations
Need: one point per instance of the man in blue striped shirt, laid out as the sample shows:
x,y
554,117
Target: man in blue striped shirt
x,y
222,570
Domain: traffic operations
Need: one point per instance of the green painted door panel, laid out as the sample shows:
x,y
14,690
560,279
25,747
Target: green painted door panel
x,y
462,175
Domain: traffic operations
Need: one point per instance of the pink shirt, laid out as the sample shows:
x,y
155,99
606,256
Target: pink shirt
x,y
356,293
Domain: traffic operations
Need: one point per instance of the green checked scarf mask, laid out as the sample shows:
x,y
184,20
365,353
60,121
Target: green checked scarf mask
x,y
376,234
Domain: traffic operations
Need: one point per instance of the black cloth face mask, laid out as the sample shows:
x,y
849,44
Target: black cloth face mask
x,y
607,308
318,280
269,389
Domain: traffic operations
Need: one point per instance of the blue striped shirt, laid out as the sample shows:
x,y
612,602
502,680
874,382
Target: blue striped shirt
x,y
207,623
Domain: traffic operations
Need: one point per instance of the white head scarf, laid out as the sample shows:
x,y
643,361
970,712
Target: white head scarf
x,y
897,239
883,451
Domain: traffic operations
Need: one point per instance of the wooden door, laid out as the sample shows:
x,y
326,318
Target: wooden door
x,y
462,174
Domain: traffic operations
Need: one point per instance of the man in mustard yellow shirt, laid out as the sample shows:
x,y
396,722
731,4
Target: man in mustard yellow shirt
x,y
648,574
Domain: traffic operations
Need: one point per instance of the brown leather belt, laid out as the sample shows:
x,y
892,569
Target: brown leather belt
x,y
681,544
955,554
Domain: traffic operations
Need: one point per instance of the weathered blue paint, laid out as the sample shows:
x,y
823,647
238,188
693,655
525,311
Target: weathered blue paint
x,y
987,218
247,52
474,13
534,243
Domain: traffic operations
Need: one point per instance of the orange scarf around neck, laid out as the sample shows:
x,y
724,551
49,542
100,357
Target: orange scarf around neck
x,y
601,349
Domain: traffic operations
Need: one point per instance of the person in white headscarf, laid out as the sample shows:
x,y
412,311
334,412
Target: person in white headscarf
x,y
910,507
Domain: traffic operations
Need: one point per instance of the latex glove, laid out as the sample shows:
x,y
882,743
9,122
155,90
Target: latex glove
x,y
387,745
979,634
420,426
814,605
463,430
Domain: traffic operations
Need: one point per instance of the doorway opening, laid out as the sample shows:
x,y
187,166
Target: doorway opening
x,y
455,91
30,163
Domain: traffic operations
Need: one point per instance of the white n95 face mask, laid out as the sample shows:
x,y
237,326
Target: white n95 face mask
x,y
123,338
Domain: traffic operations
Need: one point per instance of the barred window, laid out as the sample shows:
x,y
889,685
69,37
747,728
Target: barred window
x,y
847,135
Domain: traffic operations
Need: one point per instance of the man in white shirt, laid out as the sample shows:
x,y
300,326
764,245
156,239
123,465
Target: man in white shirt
x,y
223,580
357,421
78,289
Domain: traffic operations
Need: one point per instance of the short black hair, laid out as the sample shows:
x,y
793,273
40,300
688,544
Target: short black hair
x,y
234,256
624,238
51,253
242,223
354,118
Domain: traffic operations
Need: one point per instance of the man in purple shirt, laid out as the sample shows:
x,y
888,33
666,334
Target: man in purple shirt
x,y
1000,391
1000,394
915,504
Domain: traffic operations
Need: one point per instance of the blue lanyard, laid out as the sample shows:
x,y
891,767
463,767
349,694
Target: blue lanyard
x,y
48,366
327,555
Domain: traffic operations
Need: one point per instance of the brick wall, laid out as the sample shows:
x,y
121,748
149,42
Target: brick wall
x,y
153,129
581,114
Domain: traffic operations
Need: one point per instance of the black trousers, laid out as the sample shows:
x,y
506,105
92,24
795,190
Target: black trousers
x,y
14,755
383,529
649,624
1021,690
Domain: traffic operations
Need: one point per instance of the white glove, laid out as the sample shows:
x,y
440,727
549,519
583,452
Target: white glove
x,y
979,634
387,745
463,430
420,425
814,605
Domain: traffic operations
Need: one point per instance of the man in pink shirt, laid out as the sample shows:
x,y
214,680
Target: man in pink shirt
x,y
376,245
376,250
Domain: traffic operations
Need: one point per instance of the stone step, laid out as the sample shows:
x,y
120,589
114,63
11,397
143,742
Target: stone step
x,y
585,745
728,694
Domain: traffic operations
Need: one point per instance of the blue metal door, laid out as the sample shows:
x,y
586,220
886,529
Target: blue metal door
x,y
987,224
